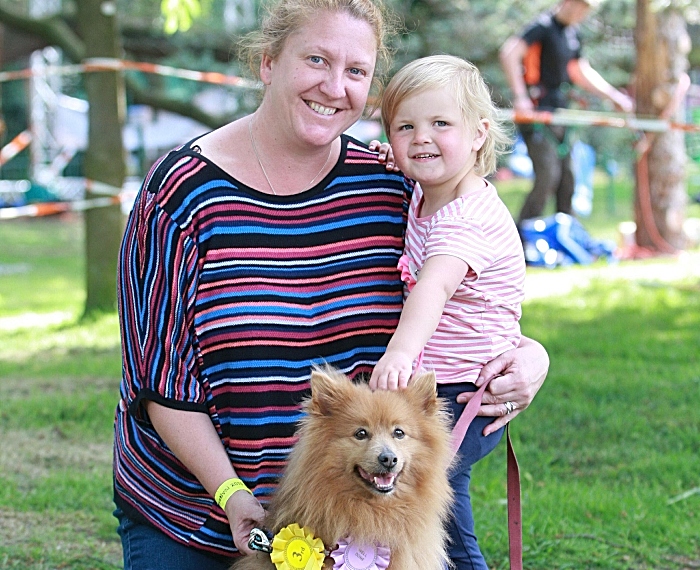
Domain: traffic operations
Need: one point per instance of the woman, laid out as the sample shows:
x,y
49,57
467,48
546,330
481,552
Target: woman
x,y
251,253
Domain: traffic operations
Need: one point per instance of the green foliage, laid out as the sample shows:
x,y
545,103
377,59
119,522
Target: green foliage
x,y
179,14
458,27
455,27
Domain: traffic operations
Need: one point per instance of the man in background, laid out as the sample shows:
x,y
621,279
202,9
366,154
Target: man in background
x,y
540,65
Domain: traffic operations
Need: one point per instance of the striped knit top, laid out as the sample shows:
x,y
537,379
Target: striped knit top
x,y
227,297
481,320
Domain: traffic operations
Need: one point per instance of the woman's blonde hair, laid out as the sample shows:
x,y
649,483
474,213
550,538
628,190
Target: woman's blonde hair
x,y
468,88
285,17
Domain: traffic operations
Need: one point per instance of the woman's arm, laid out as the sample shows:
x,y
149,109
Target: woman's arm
x,y
517,375
438,280
192,438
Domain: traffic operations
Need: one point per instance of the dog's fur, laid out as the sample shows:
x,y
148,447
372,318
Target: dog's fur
x,y
399,437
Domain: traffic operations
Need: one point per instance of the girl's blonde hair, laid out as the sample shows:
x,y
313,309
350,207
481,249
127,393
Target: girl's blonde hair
x,y
468,88
285,17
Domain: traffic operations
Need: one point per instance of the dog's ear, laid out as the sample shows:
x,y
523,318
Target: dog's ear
x,y
327,389
423,387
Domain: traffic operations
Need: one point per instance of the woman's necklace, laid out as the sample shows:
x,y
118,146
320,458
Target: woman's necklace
x,y
255,150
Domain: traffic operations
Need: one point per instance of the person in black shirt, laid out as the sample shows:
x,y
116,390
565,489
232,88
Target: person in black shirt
x,y
540,65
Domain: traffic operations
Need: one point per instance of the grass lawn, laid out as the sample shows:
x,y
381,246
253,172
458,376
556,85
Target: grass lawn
x,y
609,451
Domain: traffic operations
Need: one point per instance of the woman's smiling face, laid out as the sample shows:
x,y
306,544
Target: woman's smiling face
x,y
318,85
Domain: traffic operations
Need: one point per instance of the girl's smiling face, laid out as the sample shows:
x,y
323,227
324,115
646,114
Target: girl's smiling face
x,y
431,140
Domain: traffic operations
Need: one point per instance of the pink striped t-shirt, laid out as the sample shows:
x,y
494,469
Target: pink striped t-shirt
x,y
480,321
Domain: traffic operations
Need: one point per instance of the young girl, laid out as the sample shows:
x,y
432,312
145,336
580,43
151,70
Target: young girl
x,y
463,263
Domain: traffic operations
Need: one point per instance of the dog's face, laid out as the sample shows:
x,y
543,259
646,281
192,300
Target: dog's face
x,y
373,441
380,457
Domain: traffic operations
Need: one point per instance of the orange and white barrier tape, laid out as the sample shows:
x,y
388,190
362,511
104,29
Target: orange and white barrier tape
x,y
110,64
53,208
61,160
563,117
571,118
108,195
15,146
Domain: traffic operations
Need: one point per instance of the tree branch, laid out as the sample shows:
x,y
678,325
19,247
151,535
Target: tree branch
x,y
158,100
53,29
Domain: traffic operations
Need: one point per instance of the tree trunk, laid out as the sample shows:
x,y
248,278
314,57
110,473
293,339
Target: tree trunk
x,y
104,157
662,60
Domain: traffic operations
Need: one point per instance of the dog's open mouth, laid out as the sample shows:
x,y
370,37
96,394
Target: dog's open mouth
x,y
381,482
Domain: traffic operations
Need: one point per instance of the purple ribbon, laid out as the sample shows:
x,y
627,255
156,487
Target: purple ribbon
x,y
350,555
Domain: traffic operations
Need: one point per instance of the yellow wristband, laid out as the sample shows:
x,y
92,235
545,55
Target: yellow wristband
x,y
228,488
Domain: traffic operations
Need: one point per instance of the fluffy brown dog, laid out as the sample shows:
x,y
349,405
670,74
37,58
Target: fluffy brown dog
x,y
371,466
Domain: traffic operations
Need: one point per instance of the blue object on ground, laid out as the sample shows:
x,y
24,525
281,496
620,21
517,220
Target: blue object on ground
x,y
561,240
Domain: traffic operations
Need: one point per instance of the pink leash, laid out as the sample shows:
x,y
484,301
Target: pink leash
x,y
515,528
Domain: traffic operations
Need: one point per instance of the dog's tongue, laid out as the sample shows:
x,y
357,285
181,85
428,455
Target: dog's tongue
x,y
379,480
384,480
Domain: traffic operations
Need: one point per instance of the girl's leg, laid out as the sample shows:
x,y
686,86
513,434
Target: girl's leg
x,y
463,548
146,548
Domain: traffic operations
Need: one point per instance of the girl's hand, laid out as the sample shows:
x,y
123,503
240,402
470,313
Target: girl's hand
x,y
386,154
392,372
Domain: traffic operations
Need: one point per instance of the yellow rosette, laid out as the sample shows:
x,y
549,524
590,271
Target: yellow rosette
x,y
296,548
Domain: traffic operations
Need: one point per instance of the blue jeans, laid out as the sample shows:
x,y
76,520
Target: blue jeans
x,y
146,548
463,549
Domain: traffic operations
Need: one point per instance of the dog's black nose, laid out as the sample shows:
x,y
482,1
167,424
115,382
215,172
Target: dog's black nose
x,y
388,459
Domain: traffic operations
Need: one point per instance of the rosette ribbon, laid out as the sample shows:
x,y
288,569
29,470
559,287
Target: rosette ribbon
x,y
296,548
406,276
350,555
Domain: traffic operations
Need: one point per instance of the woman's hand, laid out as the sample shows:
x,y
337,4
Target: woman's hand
x,y
244,512
386,154
517,375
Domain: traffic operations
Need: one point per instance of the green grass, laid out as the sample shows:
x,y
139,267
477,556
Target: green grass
x,y
42,257
59,382
613,436
610,441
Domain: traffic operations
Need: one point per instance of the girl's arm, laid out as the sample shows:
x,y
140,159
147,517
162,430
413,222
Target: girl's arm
x,y
437,282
